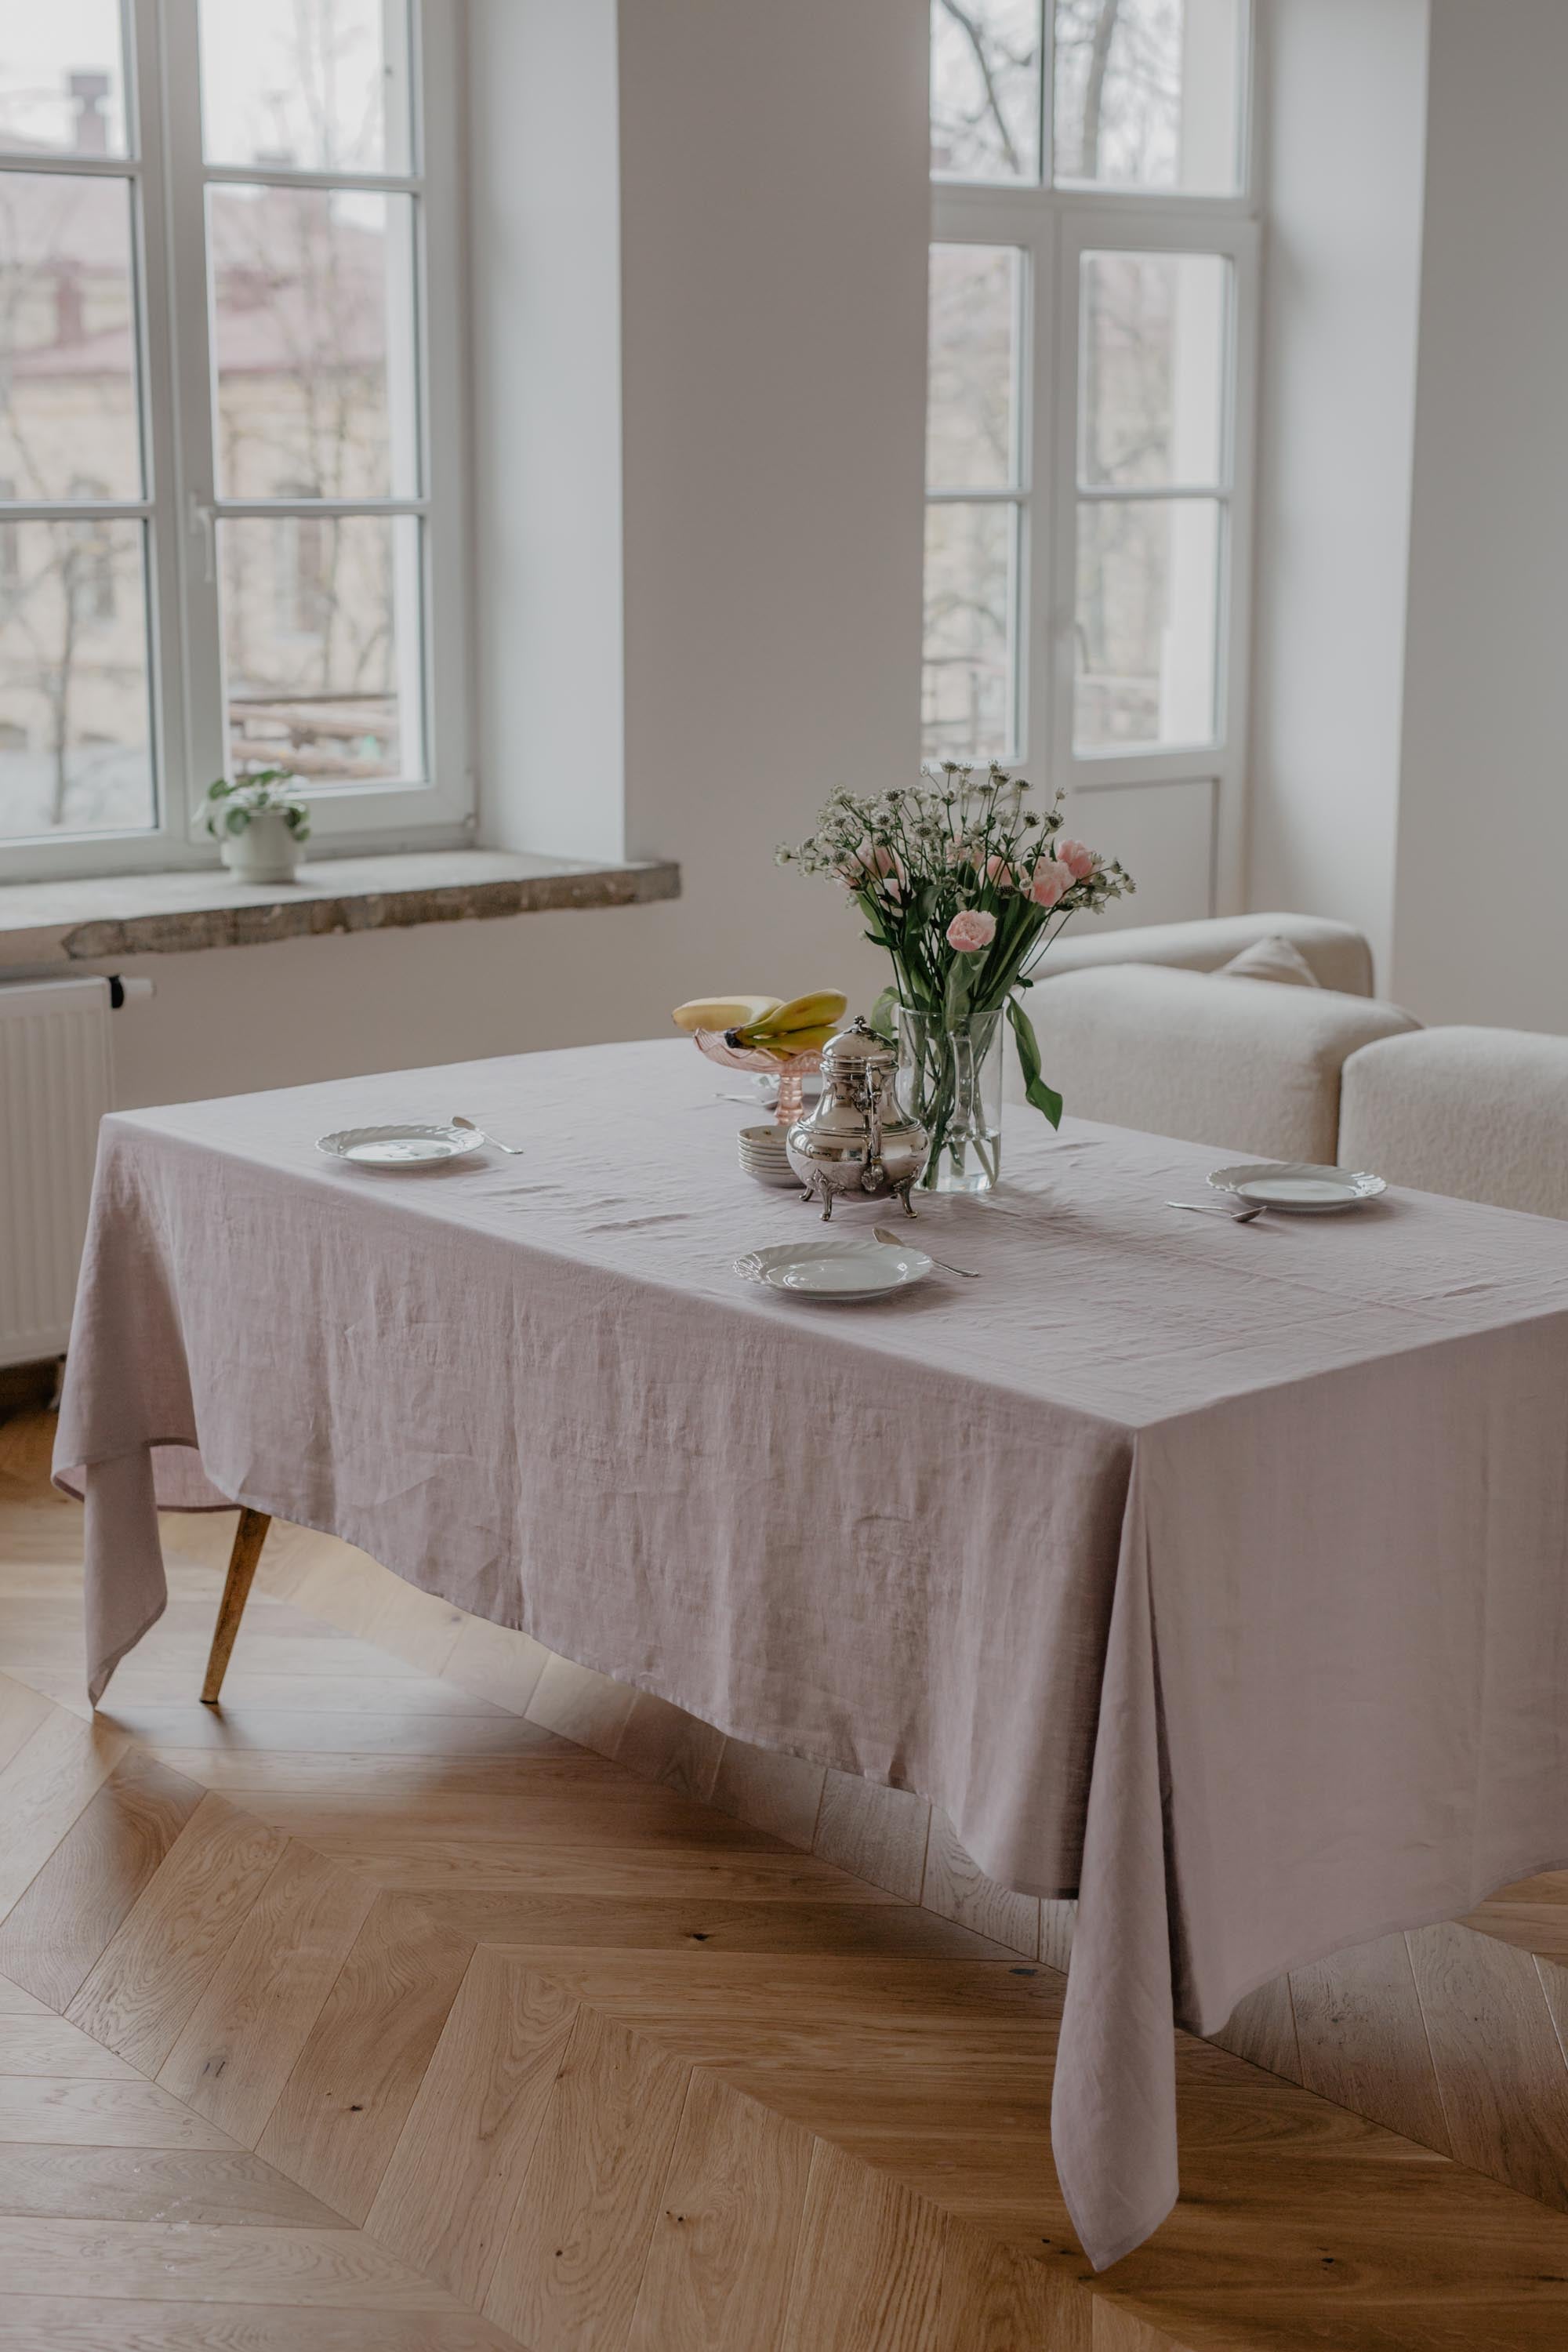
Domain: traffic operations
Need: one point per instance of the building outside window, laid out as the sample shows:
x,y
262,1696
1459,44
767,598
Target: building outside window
x,y
1092,330
242,220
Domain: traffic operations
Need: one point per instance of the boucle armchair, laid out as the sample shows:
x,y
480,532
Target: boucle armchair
x,y
1479,1113
1337,952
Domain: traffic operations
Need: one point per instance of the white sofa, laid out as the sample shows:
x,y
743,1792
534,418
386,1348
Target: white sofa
x,y
1143,1029
1338,954
1245,1065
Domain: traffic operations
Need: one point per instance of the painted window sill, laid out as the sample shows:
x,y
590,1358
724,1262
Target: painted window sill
x,y
64,923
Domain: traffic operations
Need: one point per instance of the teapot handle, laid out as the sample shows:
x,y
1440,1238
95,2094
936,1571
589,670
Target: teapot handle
x,y
871,1175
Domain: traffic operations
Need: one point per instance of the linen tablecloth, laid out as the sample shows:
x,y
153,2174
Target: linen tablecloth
x,y
1216,1572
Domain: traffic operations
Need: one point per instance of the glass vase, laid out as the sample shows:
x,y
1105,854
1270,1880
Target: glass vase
x,y
951,1080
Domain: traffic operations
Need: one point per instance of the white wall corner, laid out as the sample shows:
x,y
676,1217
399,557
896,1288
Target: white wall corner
x,y
548,576
1343,88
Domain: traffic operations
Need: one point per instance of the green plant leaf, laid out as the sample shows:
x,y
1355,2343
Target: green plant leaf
x,y
1045,1099
883,1015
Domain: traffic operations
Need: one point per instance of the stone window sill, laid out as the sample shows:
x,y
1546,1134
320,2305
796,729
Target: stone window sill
x,y
64,923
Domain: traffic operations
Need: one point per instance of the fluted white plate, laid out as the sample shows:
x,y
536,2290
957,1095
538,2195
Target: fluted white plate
x,y
1299,1185
401,1144
838,1271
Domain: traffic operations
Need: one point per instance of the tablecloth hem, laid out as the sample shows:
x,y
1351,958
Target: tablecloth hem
x,y
1215,2022
98,1684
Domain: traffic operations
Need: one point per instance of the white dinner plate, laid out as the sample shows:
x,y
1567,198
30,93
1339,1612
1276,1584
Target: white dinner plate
x,y
402,1143
841,1270
1298,1185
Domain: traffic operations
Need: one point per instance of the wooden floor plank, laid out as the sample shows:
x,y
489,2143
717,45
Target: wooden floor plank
x,y
141,1989
1499,2065
307,1771
213,2263
71,2111
568,2273
957,1889
69,2322
54,1775
1362,2039
868,2267
340,2114
85,1891
279,1729
52,2045
21,1712
238,2044
129,2184
726,2228
448,2196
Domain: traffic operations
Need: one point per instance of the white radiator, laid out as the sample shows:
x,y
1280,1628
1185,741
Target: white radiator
x,y
54,1090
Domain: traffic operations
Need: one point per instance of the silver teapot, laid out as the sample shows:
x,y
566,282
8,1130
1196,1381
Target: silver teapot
x,y
857,1144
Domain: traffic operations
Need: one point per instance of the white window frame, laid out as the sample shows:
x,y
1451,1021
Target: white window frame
x,y
1051,227
168,177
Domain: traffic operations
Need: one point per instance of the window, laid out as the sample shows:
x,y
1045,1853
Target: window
x,y
1092,322
243,219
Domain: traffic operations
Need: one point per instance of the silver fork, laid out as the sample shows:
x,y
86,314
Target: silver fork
x,y
902,1241
1203,1209
514,1150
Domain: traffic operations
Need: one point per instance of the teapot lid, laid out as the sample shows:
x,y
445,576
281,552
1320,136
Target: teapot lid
x,y
858,1048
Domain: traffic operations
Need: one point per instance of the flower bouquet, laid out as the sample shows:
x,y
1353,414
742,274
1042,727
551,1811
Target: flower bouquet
x,y
966,885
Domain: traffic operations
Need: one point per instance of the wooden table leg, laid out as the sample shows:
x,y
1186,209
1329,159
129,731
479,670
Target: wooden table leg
x,y
248,1539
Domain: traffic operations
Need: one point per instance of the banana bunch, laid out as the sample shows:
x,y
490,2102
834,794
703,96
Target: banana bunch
x,y
798,1027
723,1012
762,1024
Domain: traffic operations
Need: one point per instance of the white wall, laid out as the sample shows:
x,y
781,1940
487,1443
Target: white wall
x,y
1343,95
772,216
1480,933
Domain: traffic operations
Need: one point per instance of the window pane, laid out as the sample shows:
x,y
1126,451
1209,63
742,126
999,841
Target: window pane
x,y
67,349
62,79
969,699
971,431
313,343
75,737
1148,93
322,646
319,84
1152,368
1148,610
985,88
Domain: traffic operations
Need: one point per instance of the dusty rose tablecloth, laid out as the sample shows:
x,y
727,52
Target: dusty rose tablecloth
x,y
1216,1571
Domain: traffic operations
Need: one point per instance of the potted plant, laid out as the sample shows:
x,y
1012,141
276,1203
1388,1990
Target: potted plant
x,y
260,825
966,886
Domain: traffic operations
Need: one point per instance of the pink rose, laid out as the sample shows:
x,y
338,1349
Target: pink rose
x,y
999,873
874,862
1079,862
971,929
1050,882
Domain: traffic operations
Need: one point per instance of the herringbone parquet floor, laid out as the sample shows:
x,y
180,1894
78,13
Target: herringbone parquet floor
x,y
365,2012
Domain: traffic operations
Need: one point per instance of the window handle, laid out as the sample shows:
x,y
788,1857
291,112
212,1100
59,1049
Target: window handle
x,y
201,519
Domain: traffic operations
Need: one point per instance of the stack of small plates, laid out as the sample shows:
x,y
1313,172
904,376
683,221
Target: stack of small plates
x,y
761,1150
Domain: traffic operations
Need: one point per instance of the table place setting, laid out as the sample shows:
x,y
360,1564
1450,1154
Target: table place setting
x,y
1219,1586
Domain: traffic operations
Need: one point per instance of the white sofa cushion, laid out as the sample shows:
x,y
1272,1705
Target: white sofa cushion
x,y
1243,1065
1271,958
1479,1113
1338,954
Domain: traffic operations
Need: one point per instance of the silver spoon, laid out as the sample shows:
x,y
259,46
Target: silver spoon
x,y
901,1240
1202,1209
513,1150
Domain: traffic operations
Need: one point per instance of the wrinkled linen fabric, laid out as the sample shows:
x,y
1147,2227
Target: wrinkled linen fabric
x,y
1216,1572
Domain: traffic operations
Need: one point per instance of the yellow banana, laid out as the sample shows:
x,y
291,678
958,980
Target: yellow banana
x,y
798,1027
723,1012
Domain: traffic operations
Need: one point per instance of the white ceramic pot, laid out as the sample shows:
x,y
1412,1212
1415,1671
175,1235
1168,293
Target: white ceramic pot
x,y
266,851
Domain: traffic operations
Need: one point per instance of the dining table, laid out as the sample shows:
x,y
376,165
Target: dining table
x,y
1211,1572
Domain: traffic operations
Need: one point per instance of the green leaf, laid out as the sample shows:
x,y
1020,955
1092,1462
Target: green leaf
x,y
1045,1099
883,1015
